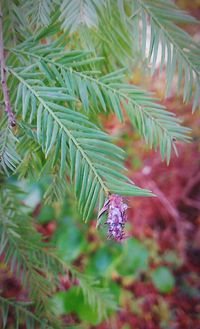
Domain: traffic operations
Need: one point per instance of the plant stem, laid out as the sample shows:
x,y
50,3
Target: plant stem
x,y
11,116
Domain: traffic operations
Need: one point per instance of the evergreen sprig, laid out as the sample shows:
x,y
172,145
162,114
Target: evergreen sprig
x,y
9,158
179,50
108,92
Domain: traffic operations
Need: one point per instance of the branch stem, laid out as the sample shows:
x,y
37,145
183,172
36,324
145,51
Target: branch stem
x,y
11,116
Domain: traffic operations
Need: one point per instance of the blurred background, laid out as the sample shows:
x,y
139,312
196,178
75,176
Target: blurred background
x,y
154,274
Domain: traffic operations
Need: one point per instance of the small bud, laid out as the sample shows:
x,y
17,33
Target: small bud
x,y
116,216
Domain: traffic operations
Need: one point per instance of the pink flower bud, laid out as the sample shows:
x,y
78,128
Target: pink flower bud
x,y
117,216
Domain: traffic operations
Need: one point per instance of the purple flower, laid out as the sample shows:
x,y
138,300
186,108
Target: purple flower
x,y
117,216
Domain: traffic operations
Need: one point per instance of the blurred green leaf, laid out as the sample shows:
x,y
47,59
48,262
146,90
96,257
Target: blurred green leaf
x,y
47,213
100,261
33,193
58,303
116,290
72,301
163,279
135,257
69,239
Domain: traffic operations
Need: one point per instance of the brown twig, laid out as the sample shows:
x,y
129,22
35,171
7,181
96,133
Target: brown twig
x,y
11,116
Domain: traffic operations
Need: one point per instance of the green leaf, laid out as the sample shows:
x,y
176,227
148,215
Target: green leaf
x,y
69,240
163,279
135,258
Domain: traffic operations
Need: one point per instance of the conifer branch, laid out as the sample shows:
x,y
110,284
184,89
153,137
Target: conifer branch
x,y
139,105
21,309
11,116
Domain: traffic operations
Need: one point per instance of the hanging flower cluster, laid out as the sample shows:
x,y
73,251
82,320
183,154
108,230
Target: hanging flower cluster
x,y
117,216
